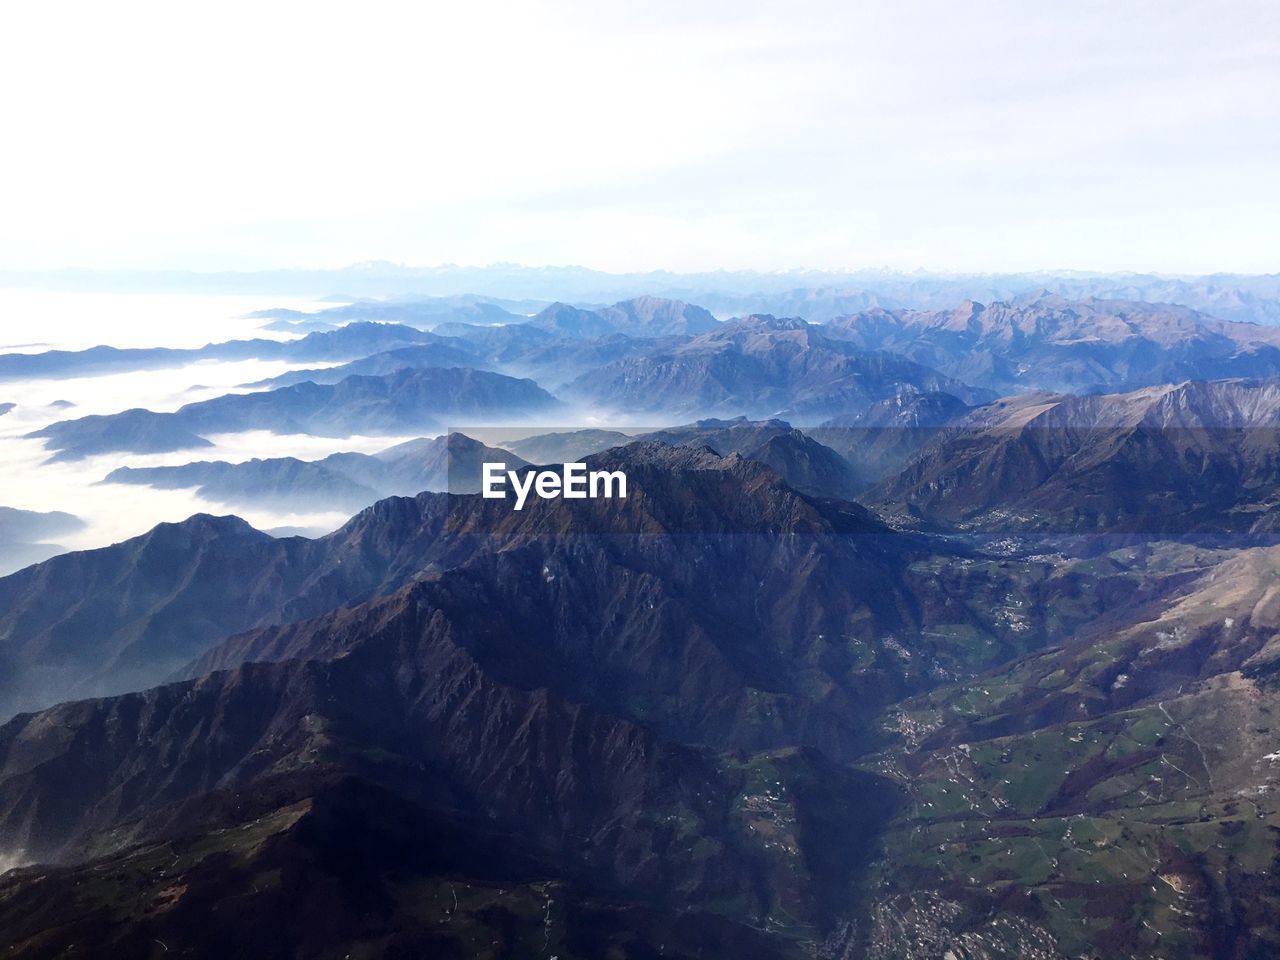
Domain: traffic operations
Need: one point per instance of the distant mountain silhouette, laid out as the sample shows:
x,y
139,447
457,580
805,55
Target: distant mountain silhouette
x,y
345,343
1048,342
344,482
639,317
406,402
760,367
28,536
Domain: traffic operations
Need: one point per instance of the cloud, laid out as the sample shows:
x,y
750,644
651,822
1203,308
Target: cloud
x,y
993,135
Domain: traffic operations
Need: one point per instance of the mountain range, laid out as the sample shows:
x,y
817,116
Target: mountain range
x,y
339,482
1048,342
806,465
1195,458
596,710
349,342
408,401
348,482
815,294
760,367
920,633
569,708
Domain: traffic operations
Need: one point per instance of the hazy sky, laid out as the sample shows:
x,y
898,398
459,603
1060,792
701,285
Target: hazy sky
x,y
638,135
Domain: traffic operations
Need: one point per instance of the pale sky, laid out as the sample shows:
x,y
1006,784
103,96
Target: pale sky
x,y
641,135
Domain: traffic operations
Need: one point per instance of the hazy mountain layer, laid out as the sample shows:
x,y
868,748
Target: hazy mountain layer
x,y
406,402
345,343
28,536
813,294
763,367
1051,343
338,482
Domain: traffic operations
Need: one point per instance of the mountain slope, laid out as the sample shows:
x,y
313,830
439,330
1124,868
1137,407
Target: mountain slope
x,y
443,354
1191,458
1114,795
806,465
1047,342
650,702
639,317
760,367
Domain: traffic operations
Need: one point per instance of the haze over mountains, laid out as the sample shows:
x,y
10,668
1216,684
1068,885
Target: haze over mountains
x,y
1049,343
760,366
407,401
344,343
649,357
28,536
818,295
945,629
340,481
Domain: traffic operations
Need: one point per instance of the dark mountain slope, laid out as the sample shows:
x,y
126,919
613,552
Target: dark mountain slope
x,y
806,465
596,800
347,865
527,716
623,697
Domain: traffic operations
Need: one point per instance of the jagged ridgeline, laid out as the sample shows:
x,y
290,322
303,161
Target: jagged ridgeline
x,y
917,633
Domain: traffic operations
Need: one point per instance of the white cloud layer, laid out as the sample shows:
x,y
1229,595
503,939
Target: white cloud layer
x,y
693,135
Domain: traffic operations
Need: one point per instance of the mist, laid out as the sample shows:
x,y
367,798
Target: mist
x,y
43,320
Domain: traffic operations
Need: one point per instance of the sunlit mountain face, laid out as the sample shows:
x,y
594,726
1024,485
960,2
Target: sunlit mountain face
x,y
709,618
